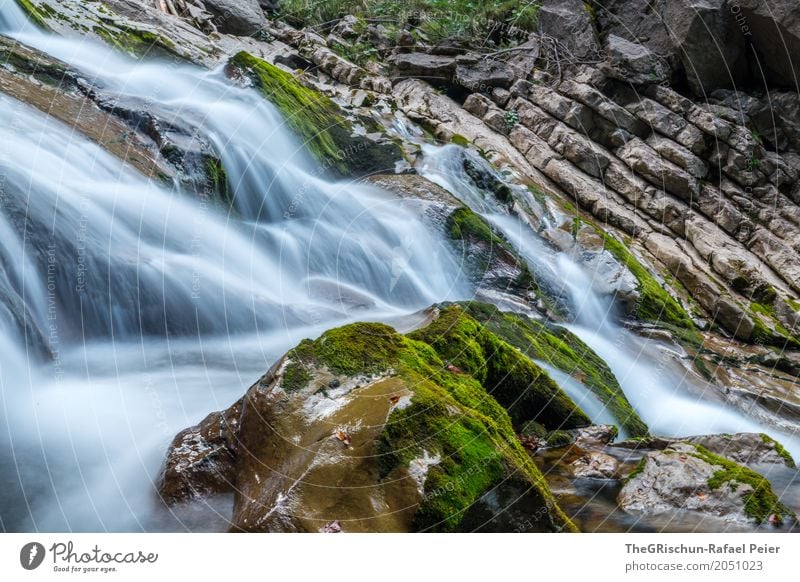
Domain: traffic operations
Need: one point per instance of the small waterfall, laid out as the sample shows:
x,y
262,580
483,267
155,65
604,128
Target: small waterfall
x,y
663,396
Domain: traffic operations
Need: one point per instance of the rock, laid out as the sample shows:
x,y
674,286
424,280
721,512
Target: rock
x,y
371,453
745,448
238,17
709,42
432,68
687,477
201,460
639,21
595,465
346,28
484,75
633,62
662,173
774,30
569,23
598,434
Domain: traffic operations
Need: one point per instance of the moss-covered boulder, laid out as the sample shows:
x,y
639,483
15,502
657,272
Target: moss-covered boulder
x,y
377,431
318,121
689,477
562,349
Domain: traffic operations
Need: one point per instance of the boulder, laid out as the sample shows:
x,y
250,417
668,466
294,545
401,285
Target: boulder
x,y
709,42
633,62
595,465
690,478
341,429
484,75
774,29
238,17
638,21
432,68
745,448
569,22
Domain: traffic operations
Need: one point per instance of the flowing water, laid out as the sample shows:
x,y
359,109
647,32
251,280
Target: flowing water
x,y
669,400
146,309
131,310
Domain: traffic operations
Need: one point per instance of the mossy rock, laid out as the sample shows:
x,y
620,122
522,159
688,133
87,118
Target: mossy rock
x,y
522,387
36,14
655,305
458,414
318,121
138,43
563,350
484,248
761,503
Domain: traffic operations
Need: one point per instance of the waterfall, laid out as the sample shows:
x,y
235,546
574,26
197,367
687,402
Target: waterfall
x,y
668,400
12,18
152,307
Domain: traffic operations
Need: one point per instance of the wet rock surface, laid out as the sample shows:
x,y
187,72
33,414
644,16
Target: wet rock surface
x,y
686,477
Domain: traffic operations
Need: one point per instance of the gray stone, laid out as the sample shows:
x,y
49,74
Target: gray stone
x,y
239,17
633,62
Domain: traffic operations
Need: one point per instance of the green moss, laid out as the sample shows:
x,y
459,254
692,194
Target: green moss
x,y
761,502
451,415
137,43
295,377
780,449
655,305
218,180
36,15
318,121
561,349
559,438
637,470
775,334
522,387
460,140
463,223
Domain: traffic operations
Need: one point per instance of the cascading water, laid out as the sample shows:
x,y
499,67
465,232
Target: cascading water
x,y
668,400
134,310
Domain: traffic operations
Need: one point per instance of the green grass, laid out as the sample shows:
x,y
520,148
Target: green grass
x,y
502,21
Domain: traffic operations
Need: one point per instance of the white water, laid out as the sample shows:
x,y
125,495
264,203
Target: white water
x,y
670,401
159,309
